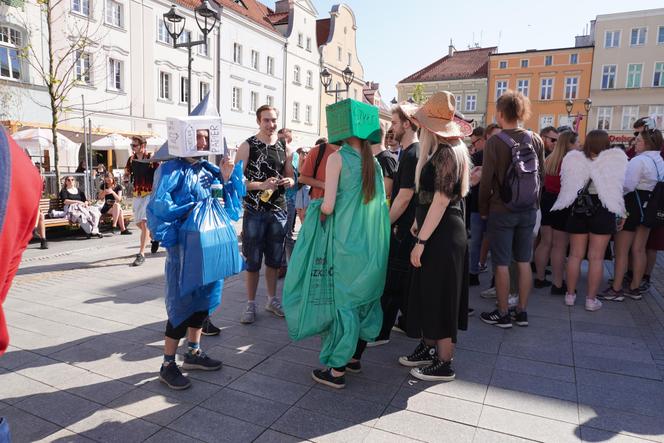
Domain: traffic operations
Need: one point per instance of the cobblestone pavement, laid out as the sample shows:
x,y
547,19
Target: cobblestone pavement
x,y
86,343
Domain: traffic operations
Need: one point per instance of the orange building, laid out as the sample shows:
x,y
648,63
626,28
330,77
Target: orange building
x,y
550,78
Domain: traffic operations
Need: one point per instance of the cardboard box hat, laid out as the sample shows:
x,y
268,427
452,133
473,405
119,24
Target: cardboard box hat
x,y
351,118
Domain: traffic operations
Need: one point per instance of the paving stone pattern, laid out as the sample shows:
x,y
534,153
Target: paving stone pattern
x,y
86,344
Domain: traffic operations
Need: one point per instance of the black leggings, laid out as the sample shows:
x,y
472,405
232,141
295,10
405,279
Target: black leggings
x,y
359,349
195,321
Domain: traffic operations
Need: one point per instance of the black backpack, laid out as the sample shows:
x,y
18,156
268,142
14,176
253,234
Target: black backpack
x,y
653,215
520,188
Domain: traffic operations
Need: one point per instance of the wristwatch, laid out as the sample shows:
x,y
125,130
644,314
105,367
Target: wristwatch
x,y
419,241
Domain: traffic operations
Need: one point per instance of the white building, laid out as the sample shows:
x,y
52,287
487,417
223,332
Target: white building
x,y
296,20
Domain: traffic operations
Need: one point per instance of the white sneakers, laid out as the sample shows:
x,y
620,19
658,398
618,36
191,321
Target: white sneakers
x,y
570,299
592,304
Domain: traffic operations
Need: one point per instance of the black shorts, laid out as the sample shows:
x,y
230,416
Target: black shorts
x,y
104,209
602,222
559,219
546,202
635,208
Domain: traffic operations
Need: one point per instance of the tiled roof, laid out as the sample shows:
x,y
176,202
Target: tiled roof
x,y
322,31
473,63
255,11
278,18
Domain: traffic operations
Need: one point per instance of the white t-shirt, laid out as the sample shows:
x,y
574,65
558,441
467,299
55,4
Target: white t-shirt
x,y
643,172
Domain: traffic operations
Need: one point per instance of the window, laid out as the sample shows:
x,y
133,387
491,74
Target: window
x,y
236,99
573,59
609,77
459,101
310,79
657,111
184,90
339,51
634,75
658,77
548,60
237,53
82,67
296,74
309,44
296,111
638,37
604,115
203,90
254,101
204,49
660,35
350,59
546,89
524,63
545,120
612,39
162,32
300,39
501,87
11,41
502,64
307,115
114,13
523,86
164,85
81,7
184,37
270,66
254,59
269,100
629,116
571,87
471,102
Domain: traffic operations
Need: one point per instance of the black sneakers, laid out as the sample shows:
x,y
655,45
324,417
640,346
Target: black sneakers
x,y
539,284
126,232
494,318
43,244
139,260
200,360
436,371
209,329
473,280
520,318
154,247
354,366
170,375
562,290
421,356
325,377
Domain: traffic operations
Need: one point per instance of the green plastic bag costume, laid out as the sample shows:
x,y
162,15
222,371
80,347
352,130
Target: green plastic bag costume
x,y
337,271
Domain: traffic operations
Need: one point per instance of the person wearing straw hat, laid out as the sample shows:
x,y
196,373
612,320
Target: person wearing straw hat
x,y
438,298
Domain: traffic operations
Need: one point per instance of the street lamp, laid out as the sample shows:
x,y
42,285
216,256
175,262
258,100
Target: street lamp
x,y
393,101
203,13
569,105
347,76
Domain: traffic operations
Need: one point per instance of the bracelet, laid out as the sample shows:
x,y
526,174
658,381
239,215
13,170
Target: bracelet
x,y
419,241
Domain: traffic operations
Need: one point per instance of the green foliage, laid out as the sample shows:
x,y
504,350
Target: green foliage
x,y
418,94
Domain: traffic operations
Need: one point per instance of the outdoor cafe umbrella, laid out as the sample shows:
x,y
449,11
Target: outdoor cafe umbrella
x,y
112,141
155,142
39,140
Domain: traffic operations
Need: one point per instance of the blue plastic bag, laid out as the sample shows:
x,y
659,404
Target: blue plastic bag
x,y
208,246
234,190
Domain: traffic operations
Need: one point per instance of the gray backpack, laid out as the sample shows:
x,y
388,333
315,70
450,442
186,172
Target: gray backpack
x,y
520,188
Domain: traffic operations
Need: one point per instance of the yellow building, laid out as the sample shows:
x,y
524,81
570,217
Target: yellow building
x,y
336,38
550,78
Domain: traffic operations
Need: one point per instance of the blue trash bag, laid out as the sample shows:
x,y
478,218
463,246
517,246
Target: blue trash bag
x,y
5,435
208,246
234,191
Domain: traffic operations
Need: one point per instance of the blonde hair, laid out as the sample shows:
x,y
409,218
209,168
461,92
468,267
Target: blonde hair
x,y
429,143
553,160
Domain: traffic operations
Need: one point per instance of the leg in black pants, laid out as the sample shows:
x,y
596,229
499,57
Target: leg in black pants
x,y
336,377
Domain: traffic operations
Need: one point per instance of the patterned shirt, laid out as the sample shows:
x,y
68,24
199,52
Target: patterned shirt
x,y
265,161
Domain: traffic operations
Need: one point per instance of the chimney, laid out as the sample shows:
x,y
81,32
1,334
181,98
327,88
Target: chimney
x,y
451,49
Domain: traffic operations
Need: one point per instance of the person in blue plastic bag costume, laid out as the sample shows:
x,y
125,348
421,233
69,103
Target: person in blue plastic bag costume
x,y
201,246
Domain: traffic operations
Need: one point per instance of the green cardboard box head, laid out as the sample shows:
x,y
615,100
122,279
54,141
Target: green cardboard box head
x,y
350,118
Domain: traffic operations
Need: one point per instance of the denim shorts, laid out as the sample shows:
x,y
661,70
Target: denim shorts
x,y
511,236
263,233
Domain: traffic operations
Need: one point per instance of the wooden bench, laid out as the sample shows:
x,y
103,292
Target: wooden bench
x,y
46,205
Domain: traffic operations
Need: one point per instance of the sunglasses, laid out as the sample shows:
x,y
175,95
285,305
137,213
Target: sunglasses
x,y
553,139
133,145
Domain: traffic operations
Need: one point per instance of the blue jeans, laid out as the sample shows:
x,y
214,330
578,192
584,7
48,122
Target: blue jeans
x,y
477,230
263,234
289,241
5,435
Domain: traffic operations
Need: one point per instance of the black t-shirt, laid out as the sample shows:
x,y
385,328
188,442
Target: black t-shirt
x,y
109,199
474,197
387,163
66,195
405,179
265,161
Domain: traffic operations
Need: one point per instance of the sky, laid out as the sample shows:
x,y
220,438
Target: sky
x,y
396,38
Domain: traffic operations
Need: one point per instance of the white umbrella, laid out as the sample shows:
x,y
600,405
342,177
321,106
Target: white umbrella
x,y
112,141
155,141
38,140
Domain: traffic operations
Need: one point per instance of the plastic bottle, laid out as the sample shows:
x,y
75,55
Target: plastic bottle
x,y
266,194
216,190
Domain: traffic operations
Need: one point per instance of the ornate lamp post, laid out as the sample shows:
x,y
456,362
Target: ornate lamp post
x,y
326,79
206,19
569,105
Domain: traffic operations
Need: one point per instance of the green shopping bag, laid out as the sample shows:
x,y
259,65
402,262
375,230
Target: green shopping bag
x,y
308,295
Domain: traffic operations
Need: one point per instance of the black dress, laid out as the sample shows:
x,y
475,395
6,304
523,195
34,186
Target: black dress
x,y
438,302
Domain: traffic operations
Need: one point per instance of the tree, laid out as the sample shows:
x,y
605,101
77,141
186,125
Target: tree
x,y
418,94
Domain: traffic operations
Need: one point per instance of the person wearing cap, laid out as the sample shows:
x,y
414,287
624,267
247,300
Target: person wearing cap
x,y
402,214
438,299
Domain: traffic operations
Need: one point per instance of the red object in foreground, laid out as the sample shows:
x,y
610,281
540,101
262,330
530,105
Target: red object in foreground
x,y
20,190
